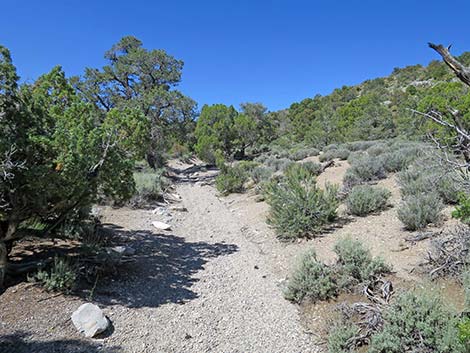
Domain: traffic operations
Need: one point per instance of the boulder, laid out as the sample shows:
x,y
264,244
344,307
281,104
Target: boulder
x,y
90,320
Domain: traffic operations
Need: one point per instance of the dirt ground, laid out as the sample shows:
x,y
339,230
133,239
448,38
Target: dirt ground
x,y
213,283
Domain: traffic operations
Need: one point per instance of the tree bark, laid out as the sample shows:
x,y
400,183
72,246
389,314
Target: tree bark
x,y
461,71
3,261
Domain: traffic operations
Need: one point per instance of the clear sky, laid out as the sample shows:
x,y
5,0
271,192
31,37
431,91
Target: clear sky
x,y
274,52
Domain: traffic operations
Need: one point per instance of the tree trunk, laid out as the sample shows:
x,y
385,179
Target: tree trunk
x,y
3,261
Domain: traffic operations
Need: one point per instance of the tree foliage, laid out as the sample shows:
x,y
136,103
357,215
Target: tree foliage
x,y
58,152
143,80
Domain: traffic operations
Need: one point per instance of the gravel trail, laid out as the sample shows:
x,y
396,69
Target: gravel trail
x,y
211,284
230,297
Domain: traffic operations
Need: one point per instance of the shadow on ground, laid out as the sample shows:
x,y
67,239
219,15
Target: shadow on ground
x,y
163,270
18,342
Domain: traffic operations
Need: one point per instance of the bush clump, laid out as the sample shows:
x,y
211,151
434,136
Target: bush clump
x,y
317,281
61,277
231,179
365,199
149,187
419,179
298,206
304,153
400,159
418,322
278,164
261,173
363,170
356,264
417,211
311,279
339,336
341,153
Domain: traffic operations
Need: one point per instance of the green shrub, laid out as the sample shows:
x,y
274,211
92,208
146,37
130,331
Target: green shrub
x,y
377,149
298,206
363,170
261,173
312,167
462,210
418,322
333,146
417,211
341,153
355,156
418,179
365,199
279,164
311,279
150,186
397,160
61,276
304,153
356,264
361,145
231,179
339,336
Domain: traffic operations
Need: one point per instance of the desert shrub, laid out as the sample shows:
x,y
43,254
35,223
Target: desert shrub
x,y
339,336
311,279
61,277
364,170
312,167
355,156
417,211
341,153
449,187
418,322
361,145
462,210
231,179
327,156
419,179
261,173
377,149
304,153
331,147
365,199
400,159
149,188
356,264
279,164
298,206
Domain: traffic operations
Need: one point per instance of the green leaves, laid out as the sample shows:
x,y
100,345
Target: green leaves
x,y
64,150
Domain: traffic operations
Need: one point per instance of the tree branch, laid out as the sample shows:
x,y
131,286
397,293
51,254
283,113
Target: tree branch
x,y
462,72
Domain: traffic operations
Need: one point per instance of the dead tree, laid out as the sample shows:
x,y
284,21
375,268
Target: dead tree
x,y
460,70
452,119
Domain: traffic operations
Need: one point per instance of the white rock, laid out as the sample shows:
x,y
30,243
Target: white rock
x,y
90,320
159,211
161,225
123,250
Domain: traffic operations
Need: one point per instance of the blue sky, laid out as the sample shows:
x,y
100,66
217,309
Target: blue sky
x,y
274,52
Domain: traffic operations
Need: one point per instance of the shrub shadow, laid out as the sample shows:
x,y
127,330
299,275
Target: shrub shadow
x,y
18,342
163,270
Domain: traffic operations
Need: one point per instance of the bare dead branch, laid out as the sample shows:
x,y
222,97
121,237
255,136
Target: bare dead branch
x,y
461,71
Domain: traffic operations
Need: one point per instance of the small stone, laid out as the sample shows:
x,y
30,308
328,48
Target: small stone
x,y
178,208
161,225
90,320
123,250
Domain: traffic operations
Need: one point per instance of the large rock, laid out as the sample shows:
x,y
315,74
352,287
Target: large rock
x,y
161,225
90,320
